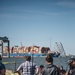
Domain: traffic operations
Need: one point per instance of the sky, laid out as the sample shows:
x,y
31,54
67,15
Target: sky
x,y
39,22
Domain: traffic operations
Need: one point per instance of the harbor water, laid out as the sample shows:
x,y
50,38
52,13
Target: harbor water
x,y
61,61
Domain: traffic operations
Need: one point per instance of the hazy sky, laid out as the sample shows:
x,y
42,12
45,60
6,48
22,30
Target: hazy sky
x,y
39,22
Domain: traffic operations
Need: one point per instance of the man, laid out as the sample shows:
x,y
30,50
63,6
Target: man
x,y
71,64
27,67
50,69
2,67
40,70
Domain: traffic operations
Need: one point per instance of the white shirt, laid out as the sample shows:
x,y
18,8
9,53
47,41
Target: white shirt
x,y
28,68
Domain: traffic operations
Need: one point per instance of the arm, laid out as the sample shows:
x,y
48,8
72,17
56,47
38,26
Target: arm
x,y
66,73
18,70
37,71
2,69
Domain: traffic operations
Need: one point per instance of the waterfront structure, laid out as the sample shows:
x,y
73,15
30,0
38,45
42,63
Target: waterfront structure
x,y
4,40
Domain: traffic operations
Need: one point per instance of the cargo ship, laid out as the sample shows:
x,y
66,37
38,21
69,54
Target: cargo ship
x,y
35,51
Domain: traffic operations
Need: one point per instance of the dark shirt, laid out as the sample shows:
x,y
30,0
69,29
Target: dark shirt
x,y
72,72
2,66
50,70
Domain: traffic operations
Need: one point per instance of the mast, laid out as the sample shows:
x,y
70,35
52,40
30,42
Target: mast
x,y
50,43
21,44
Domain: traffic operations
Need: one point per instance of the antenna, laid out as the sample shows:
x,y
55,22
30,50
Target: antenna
x,y
50,43
21,44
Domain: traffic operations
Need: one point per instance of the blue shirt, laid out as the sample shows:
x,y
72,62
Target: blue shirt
x,y
28,68
2,66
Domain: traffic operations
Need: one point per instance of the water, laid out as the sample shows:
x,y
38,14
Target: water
x,y
61,61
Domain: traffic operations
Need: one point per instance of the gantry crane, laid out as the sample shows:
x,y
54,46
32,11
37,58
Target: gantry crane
x,y
4,40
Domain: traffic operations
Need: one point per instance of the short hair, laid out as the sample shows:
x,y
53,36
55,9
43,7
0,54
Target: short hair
x,y
49,58
41,66
70,61
28,58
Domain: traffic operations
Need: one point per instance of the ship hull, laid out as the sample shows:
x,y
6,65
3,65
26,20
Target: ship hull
x,y
30,54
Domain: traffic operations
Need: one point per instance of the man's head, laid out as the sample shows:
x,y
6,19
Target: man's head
x,y
49,58
71,63
41,66
28,58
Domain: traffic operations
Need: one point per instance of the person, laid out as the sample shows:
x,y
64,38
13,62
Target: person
x,y
71,64
2,67
27,67
62,71
50,68
40,70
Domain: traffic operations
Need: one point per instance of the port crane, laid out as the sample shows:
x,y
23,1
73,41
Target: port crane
x,y
59,47
4,40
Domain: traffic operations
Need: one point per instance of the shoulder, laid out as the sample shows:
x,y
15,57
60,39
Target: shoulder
x,y
54,66
51,67
2,66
